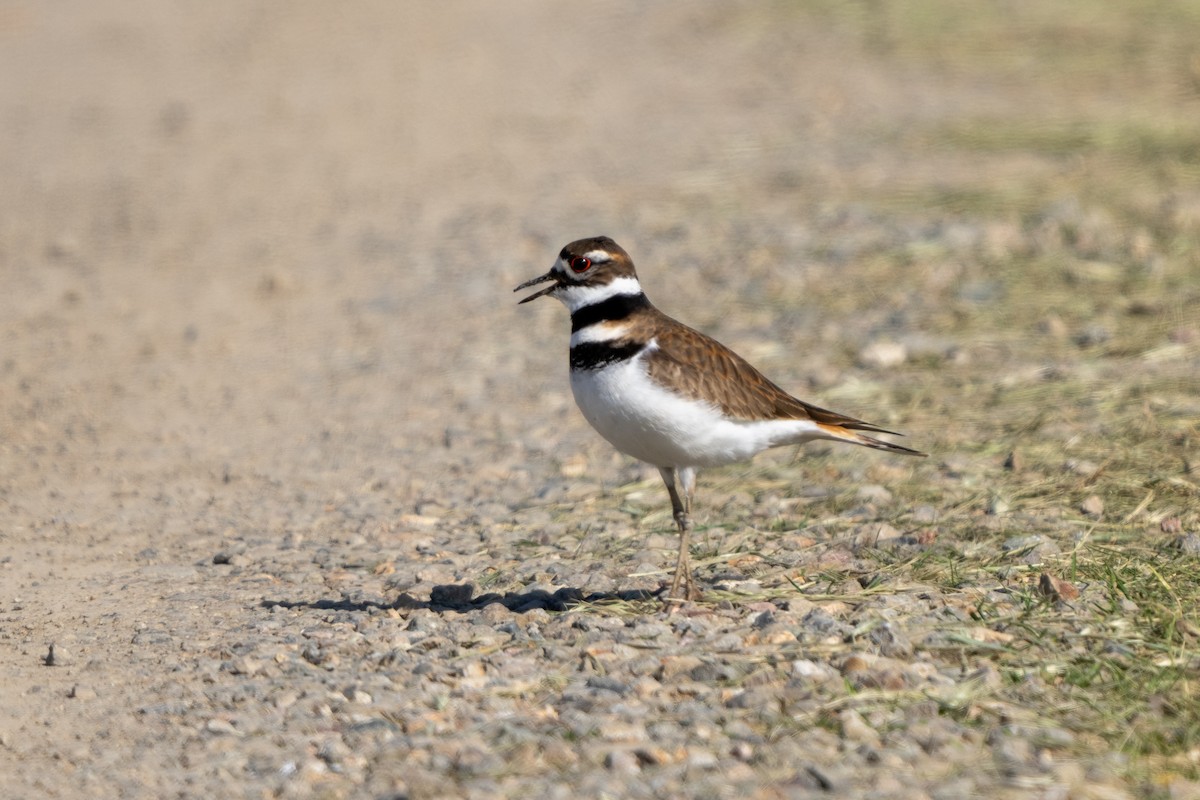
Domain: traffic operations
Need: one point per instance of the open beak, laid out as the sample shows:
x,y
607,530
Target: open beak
x,y
549,276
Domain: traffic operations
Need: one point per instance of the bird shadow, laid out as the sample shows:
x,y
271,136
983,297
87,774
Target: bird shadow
x,y
461,598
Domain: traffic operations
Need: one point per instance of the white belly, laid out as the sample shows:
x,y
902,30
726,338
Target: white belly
x,y
643,420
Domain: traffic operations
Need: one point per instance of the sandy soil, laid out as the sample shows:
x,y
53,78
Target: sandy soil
x,y
263,386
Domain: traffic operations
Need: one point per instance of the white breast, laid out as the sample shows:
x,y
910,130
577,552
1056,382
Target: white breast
x,y
650,423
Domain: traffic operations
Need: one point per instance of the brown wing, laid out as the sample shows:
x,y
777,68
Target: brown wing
x,y
704,369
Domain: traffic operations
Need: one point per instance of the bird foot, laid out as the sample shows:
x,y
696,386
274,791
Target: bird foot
x,y
683,580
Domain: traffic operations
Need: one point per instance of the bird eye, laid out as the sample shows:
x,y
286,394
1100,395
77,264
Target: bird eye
x,y
580,264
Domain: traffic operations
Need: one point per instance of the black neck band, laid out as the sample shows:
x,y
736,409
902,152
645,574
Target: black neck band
x,y
617,307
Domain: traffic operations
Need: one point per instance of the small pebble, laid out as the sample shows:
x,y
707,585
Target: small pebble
x,y
244,665
1093,506
855,729
1084,468
1188,544
873,493
883,354
222,727
623,762
225,557
1092,335
812,670
701,758
57,656
891,640
1056,588
653,756
924,515
82,693
1054,326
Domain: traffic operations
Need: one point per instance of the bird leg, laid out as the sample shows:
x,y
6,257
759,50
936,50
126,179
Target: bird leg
x,y
681,508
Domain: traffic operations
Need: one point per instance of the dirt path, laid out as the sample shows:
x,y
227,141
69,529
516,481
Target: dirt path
x,y
263,387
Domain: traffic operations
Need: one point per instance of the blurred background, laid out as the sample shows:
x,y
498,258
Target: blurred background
x,y
283,235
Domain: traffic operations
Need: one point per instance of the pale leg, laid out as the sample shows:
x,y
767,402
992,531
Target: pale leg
x,y
681,508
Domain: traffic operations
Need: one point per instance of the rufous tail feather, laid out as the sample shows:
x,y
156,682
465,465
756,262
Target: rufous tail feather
x,y
844,434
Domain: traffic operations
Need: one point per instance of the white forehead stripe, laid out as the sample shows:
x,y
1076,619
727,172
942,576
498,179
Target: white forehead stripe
x,y
598,255
576,296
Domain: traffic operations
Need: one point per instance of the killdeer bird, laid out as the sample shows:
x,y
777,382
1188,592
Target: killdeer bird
x,y
669,395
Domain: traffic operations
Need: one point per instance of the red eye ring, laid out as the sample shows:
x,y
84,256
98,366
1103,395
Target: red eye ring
x,y
580,264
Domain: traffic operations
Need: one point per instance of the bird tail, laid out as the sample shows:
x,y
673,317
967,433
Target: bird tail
x,y
846,433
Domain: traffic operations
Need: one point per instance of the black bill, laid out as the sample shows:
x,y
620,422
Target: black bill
x,y
549,276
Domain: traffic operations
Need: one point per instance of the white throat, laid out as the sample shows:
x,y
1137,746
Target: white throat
x,y
575,297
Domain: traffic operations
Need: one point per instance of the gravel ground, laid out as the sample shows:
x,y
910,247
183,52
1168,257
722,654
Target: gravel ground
x,y
295,502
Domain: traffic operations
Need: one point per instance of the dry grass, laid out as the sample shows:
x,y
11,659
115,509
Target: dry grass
x,y
1089,356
